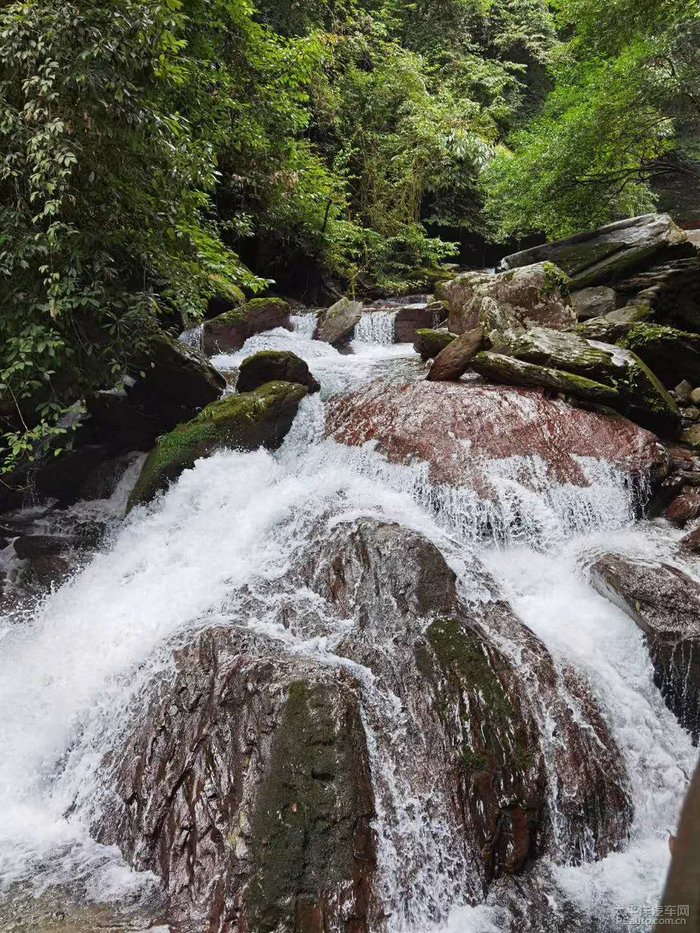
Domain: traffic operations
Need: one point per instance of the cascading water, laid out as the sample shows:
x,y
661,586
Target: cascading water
x,y
209,552
377,327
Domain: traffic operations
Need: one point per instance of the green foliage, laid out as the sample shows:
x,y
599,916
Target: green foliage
x,y
626,95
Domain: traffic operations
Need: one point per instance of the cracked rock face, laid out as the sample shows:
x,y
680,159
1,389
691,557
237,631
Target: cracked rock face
x,y
264,786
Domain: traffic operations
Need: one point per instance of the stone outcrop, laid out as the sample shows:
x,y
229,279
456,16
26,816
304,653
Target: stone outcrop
x,y
536,295
337,324
665,604
229,331
274,366
611,253
506,370
437,423
452,362
641,396
243,422
428,343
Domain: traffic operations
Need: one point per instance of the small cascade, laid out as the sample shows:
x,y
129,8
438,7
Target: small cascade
x,y
193,337
305,324
376,327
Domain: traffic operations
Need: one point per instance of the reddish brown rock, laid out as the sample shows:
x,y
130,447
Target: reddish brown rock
x,y
684,508
453,361
458,429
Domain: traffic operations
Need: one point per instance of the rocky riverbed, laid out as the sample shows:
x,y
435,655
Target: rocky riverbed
x,y
296,638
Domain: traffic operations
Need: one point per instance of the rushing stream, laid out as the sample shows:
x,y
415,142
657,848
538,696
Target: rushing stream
x,y
70,676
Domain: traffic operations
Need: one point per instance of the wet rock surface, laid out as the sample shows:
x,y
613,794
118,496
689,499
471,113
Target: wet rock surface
x,y
665,604
229,331
455,427
241,422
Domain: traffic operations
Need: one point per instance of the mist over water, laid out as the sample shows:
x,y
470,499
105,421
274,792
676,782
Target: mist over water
x,y
208,550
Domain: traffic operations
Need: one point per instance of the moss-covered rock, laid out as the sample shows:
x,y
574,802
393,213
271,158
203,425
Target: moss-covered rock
x,y
453,361
508,371
430,342
614,325
337,324
245,422
642,397
310,838
229,331
274,366
672,354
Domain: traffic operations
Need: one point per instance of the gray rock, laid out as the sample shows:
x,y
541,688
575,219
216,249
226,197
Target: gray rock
x,y
337,324
610,253
508,371
593,302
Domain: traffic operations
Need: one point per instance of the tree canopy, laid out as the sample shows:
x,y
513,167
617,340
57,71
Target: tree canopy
x,y
155,153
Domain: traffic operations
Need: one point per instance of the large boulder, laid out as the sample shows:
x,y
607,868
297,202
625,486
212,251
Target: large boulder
x,y
246,788
673,355
244,422
641,396
536,295
459,430
229,331
452,362
611,253
665,604
508,371
672,288
274,366
337,324
428,342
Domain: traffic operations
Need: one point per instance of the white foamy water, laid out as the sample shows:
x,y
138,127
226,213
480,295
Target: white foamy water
x,y
377,327
68,678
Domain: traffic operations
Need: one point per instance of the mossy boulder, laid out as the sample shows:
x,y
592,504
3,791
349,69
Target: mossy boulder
x,y
613,326
337,324
244,422
274,366
506,370
642,397
430,342
672,354
229,331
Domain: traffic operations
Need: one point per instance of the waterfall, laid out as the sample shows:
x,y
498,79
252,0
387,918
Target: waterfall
x,y
376,327
216,550
193,337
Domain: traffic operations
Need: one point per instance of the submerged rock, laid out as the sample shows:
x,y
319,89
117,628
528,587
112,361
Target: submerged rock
x,y
244,422
229,331
452,362
665,604
428,343
641,396
610,253
463,431
337,324
274,366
